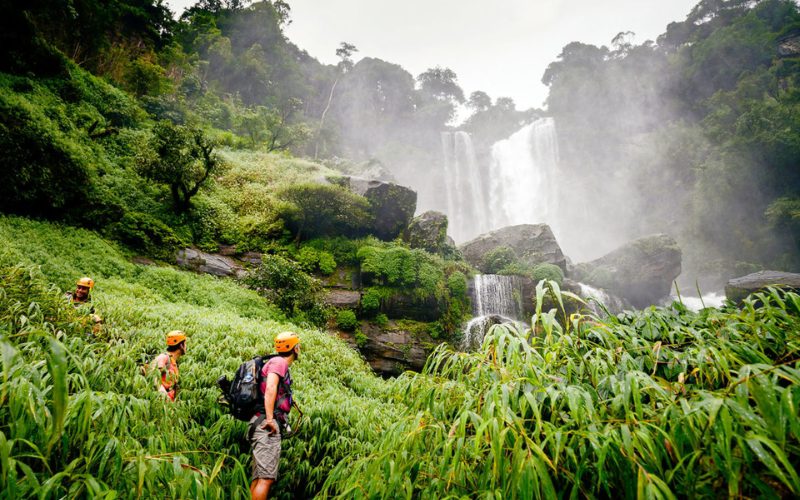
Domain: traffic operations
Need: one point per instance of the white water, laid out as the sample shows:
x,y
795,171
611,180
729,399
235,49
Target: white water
x,y
517,186
495,298
523,175
696,303
494,294
467,209
596,295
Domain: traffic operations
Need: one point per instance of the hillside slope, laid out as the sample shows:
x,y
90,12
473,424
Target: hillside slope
x,y
105,429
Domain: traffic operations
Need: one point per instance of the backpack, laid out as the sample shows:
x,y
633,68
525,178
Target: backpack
x,y
243,394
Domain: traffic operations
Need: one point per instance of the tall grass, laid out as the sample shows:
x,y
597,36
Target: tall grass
x,y
657,403
661,403
78,418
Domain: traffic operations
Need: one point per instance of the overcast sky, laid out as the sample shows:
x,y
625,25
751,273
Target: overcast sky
x,y
501,47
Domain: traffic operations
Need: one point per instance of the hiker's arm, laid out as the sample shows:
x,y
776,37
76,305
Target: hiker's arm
x,y
270,395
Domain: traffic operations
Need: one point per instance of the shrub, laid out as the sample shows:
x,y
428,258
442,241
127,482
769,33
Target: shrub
x,y
381,320
547,271
361,339
497,259
148,235
311,260
321,210
346,320
43,171
284,283
371,301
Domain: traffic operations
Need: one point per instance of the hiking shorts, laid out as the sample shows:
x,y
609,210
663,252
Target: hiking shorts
x,y
266,452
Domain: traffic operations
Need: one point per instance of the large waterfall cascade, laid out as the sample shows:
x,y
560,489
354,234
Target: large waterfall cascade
x,y
518,186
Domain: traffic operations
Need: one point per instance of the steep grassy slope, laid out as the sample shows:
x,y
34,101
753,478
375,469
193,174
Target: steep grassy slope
x,y
77,415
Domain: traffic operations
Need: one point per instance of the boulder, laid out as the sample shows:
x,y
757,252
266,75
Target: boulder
x,y
253,258
392,205
392,350
349,299
531,243
640,272
218,265
739,288
427,231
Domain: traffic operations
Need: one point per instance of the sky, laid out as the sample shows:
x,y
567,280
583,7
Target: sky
x,y
501,47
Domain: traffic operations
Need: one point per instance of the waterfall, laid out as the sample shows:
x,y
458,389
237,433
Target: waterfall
x,y
523,173
465,196
518,185
495,294
495,299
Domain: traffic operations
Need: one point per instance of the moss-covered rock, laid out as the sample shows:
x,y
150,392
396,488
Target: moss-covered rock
x,y
392,205
531,244
640,272
428,232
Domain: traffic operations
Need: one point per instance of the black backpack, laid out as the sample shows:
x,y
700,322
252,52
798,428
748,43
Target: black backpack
x,y
243,394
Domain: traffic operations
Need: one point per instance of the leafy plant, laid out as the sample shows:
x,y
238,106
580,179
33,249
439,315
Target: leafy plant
x,y
346,320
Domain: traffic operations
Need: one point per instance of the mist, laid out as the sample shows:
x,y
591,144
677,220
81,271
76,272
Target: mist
x,y
641,144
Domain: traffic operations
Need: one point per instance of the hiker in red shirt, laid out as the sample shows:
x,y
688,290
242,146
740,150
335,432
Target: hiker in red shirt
x,y
167,364
268,427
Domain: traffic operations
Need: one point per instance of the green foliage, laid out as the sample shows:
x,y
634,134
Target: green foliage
x,y
180,157
312,260
346,320
323,210
371,300
285,284
457,284
548,272
147,234
400,267
498,258
361,339
381,320
663,402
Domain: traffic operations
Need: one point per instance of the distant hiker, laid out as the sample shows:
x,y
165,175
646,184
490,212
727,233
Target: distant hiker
x,y
167,364
81,298
266,428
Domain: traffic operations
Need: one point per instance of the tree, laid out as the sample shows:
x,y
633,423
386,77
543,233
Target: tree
x,y
344,53
479,101
442,84
180,157
273,127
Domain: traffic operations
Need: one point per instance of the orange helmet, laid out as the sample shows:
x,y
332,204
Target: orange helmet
x,y
286,341
175,337
85,281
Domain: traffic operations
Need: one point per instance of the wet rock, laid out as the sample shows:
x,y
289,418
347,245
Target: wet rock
x,y
400,305
217,265
427,231
392,350
640,272
738,289
348,299
531,243
392,205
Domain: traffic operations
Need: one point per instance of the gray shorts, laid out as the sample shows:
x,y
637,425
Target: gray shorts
x,y
266,453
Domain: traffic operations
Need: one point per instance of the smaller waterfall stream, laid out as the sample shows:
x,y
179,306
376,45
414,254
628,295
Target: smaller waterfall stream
x,y
495,299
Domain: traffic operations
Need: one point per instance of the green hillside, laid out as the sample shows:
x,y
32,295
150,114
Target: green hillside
x,y
79,419
658,403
